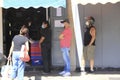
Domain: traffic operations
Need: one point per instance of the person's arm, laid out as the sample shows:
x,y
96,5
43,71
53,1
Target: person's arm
x,y
11,50
27,45
93,34
41,39
61,36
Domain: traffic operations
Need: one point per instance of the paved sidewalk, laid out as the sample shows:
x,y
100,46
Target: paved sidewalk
x,y
99,75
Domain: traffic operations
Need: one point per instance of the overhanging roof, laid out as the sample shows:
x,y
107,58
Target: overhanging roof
x,y
1,3
33,3
84,2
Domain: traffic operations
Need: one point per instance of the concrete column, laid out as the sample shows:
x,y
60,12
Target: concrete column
x,y
1,30
73,47
77,29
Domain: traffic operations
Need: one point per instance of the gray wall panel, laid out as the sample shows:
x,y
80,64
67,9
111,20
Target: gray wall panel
x,y
57,59
95,11
107,53
111,35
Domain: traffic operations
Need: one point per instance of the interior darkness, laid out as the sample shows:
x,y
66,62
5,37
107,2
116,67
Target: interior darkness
x,y
13,19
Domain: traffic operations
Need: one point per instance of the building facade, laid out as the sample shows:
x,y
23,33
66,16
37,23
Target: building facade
x,y
107,26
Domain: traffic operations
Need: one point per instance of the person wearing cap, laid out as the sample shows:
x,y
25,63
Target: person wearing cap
x,y
89,44
65,42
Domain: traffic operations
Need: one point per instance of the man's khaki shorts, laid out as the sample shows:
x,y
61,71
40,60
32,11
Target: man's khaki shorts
x,y
88,52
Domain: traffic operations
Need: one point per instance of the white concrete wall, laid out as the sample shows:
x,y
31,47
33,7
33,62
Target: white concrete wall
x,y
108,32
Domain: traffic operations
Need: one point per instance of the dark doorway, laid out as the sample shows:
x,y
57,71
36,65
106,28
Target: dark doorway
x,y
13,19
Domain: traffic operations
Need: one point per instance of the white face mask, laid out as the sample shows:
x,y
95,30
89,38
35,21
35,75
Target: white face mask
x,y
29,24
43,26
87,23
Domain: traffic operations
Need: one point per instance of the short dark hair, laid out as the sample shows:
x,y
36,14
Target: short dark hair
x,y
46,22
66,20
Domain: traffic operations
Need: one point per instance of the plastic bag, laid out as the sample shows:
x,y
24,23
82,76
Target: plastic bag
x,y
6,70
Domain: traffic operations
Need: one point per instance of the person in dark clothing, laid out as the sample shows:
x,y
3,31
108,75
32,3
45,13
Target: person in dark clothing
x,y
45,44
89,44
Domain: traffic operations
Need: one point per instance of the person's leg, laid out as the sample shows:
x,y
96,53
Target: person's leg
x,y
21,68
49,59
15,66
82,65
67,62
64,59
67,59
91,57
45,59
47,62
92,65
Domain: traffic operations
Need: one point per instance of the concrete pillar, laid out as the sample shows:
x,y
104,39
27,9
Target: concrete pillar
x,y
73,47
77,29
1,30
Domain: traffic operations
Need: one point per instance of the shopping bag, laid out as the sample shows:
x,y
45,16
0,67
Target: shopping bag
x,y
24,56
6,70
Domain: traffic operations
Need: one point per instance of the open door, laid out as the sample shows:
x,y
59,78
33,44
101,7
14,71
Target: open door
x,y
13,19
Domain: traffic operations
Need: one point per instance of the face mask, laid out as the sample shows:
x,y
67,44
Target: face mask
x,y
87,23
29,24
43,26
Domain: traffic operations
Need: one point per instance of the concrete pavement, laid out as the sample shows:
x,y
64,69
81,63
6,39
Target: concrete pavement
x,y
98,75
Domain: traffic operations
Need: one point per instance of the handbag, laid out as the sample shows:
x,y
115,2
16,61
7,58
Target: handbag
x,y
24,56
6,70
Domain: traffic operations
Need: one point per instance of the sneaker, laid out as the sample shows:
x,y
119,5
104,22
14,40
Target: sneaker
x,y
61,73
91,71
67,74
83,73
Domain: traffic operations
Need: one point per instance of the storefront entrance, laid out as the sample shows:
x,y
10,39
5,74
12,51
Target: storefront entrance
x,y
13,19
